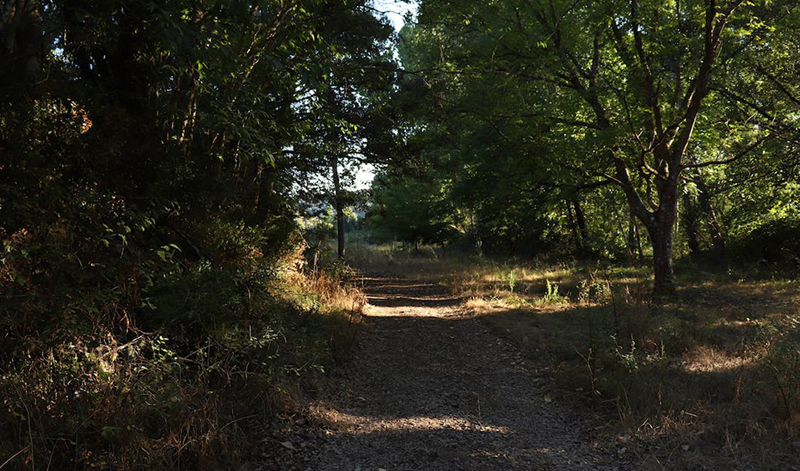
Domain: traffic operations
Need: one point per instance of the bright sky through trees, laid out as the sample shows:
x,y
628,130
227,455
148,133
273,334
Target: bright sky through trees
x,y
395,11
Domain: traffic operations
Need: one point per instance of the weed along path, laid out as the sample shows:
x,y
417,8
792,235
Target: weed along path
x,y
431,388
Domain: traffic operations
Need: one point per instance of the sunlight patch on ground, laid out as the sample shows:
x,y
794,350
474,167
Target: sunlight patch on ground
x,y
363,424
384,287
707,359
486,305
372,310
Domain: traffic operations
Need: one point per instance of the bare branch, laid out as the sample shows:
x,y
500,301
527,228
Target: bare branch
x,y
651,98
736,157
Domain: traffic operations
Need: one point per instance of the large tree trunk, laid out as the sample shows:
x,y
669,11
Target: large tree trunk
x,y
660,224
664,282
661,228
339,206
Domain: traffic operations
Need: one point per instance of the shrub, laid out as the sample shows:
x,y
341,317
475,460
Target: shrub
x,y
161,366
776,241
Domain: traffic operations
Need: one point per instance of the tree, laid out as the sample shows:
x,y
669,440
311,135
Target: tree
x,y
412,210
345,112
629,82
148,148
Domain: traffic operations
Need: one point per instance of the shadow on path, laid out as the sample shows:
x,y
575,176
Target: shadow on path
x,y
431,388
399,292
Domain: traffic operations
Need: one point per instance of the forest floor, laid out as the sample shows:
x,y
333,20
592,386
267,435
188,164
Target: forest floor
x,y
430,387
473,364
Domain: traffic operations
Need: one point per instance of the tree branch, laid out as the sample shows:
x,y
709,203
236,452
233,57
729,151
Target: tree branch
x,y
736,157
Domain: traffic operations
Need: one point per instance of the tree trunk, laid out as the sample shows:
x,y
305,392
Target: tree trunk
x,y
339,206
580,219
21,46
661,231
577,222
576,238
664,283
691,224
714,229
634,242
638,238
263,192
660,226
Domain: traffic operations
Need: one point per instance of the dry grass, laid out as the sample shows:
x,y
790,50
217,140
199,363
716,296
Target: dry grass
x,y
333,296
196,396
333,291
710,380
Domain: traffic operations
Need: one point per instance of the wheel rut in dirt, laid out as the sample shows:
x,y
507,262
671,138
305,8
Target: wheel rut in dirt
x,y
431,388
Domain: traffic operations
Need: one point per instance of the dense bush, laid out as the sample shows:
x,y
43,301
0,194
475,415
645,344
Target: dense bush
x,y
147,222
160,373
776,241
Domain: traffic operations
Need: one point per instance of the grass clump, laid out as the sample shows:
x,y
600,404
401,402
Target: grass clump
x,y
551,295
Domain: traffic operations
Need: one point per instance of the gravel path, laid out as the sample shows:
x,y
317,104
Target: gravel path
x,y
431,388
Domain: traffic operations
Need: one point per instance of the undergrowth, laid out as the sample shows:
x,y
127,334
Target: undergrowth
x,y
708,380
187,378
711,379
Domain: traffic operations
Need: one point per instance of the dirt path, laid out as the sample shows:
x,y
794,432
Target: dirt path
x,y
431,388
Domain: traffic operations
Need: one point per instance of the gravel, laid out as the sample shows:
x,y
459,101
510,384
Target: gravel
x,y
431,388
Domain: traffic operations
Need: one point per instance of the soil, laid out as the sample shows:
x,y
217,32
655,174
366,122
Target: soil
x,y
431,388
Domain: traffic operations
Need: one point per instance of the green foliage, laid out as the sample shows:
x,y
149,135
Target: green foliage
x,y
594,290
512,280
551,295
565,127
216,329
412,211
148,187
775,241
